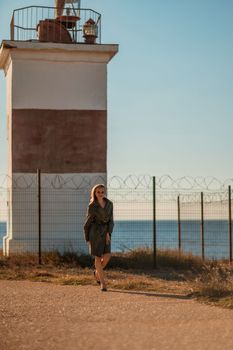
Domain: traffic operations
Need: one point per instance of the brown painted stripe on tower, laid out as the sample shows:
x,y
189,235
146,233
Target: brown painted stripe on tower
x,y
59,141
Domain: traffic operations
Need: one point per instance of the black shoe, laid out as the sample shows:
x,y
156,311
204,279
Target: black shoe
x,y
103,289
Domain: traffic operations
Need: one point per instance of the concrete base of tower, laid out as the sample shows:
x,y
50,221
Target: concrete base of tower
x,y
63,206
63,245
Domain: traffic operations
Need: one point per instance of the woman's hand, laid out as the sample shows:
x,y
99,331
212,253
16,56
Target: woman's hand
x,y
108,238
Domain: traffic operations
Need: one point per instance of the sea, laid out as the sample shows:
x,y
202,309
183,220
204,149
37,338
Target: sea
x,y
128,235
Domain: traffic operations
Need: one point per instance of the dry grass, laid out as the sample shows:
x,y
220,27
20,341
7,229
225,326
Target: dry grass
x,y
176,273
142,258
215,284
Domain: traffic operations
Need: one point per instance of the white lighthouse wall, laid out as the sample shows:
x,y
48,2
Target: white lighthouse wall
x,y
8,73
9,115
59,85
43,86
46,78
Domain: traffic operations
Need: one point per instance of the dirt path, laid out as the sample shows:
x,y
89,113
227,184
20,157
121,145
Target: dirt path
x,y
36,315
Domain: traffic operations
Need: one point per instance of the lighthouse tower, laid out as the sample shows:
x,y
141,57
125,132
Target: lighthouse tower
x,y
56,76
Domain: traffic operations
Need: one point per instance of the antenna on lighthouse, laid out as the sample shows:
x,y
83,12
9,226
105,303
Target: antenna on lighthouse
x,y
61,5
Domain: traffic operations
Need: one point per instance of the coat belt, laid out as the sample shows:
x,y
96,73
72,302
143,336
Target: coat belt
x,y
101,222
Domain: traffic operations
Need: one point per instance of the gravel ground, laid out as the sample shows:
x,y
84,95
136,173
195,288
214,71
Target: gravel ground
x,y
37,315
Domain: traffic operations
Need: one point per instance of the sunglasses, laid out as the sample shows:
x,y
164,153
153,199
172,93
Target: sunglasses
x,y
100,192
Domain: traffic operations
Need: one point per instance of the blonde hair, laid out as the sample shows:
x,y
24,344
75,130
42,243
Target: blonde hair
x,y
93,195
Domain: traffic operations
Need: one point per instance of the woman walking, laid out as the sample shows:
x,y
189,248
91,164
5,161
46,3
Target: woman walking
x,y
98,228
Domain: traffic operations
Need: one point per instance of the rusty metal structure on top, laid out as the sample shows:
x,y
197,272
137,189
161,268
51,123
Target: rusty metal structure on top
x,y
65,23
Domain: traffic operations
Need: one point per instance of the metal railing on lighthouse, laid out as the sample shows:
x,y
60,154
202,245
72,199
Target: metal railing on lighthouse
x,y
70,25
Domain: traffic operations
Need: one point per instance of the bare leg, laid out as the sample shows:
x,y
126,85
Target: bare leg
x,y
106,258
104,261
100,272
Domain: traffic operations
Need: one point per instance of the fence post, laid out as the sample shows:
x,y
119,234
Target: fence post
x,y
229,224
39,213
179,226
154,222
202,228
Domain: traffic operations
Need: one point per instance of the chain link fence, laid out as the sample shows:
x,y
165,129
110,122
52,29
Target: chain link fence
x,y
44,213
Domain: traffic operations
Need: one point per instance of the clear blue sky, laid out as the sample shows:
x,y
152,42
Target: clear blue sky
x,y
170,89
